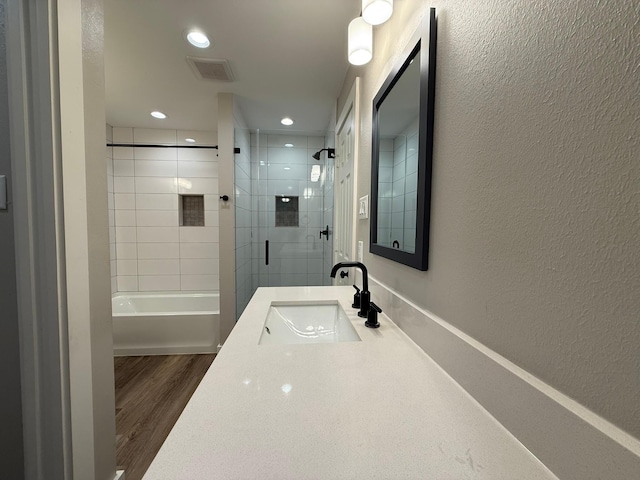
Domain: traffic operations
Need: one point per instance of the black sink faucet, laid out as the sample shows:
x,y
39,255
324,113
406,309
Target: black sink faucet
x,y
365,295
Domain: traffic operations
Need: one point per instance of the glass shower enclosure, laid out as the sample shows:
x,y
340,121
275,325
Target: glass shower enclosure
x,y
291,214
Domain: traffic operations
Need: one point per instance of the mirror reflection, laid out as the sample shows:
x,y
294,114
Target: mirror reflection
x,y
398,126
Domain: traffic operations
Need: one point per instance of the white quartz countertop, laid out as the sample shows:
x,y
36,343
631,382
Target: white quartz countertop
x,y
379,408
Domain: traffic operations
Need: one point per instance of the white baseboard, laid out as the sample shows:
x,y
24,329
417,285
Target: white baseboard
x,y
572,441
219,347
177,350
119,475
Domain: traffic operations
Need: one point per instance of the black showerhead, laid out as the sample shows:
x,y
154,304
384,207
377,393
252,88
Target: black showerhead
x,y
331,153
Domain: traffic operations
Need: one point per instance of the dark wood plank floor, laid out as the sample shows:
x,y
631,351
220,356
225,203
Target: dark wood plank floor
x,y
151,393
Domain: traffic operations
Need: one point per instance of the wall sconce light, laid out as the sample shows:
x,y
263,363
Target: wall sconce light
x,y
360,38
376,12
360,42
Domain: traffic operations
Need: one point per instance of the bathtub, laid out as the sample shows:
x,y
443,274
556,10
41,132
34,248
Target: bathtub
x,y
162,323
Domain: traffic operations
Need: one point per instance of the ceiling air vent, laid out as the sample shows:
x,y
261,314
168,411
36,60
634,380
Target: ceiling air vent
x,y
211,69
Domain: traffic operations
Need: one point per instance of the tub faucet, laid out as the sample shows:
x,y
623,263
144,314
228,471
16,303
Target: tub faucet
x,y
365,295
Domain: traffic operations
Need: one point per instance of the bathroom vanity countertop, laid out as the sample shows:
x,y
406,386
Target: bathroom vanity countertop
x,y
379,408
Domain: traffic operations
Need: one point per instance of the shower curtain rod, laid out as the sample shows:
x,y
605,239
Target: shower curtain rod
x,y
149,145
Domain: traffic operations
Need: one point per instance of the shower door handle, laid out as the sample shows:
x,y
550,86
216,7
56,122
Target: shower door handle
x,y
266,252
325,232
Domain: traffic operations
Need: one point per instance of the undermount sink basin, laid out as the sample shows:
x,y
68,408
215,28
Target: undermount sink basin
x,y
307,322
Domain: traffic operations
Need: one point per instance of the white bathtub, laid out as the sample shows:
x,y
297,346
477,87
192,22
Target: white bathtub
x,y
162,323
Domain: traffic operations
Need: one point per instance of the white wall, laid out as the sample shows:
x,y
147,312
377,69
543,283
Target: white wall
x,y
226,158
534,228
112,213
153,252
86,243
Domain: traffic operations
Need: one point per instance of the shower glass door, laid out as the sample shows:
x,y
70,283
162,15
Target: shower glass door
x,y
291,237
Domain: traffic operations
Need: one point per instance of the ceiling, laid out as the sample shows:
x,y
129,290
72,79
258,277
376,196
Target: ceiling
x,y
288,58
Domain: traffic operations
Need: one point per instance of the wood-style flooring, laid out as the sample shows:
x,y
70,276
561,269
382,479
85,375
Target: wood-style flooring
x,y
151,393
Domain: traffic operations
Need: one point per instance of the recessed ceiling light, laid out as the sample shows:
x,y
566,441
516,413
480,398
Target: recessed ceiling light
x,y
198,39
289,145
190,140
157,114
286,121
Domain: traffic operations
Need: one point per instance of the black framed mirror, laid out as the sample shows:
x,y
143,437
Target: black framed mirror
x,y
402,150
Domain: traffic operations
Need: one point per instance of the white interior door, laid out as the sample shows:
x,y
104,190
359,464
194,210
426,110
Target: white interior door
x,y
346,151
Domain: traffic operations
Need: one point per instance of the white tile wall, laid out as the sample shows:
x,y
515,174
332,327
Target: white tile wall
x,y
125,234
156,185
123,153
122,135
148,153
127,267
156,201
196,155
198,250
127,284
123,185
192,185
149,283
125,218
199,266
158,234
159,266
198,169
156,168
150,252
157,218
125,201
198,234
200,282
159,250
123,168
126,251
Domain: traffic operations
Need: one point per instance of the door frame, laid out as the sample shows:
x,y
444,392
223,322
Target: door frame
x,y
39,246
352,102
67,409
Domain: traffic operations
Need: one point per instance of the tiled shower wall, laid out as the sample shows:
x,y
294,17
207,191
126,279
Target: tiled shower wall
x,y
397,186
242,170
152,251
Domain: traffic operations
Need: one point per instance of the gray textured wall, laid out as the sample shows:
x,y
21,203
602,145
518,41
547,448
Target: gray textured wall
x,y
535,246
11,464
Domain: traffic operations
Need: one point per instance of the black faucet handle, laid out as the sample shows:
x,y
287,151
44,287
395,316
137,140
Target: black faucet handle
x,y
372,316
356,298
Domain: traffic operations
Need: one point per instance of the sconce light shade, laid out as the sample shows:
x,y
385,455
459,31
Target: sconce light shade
x,y
360,41
376,12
